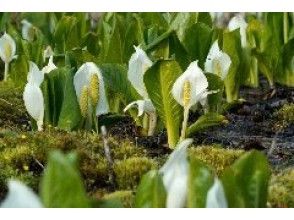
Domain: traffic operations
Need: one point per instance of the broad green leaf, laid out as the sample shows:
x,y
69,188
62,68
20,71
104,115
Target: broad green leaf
x,y
91,42
61,105
196,40
61,184
178,52
181,22
19,70
246,181
204,122
151,192
214,101
66,35
112,46
264,50
232,46
159,80
285,74
204,17
200,180
115,78
69,116
134,36
4,19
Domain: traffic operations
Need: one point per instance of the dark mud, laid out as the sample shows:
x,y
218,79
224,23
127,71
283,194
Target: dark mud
x,y
252,125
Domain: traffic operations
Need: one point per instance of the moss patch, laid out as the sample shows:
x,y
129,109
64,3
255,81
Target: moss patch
x,y
215,156
285,115
12,110
281,190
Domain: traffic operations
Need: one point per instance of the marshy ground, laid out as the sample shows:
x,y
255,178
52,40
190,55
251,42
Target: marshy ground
x,y
262,122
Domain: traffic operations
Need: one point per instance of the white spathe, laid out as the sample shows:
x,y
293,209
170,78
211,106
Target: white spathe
x,y
7,48
217,62
82,78
49,67
175,176
34,103
20,196
198,82
239,22
216,197
139,63
27,30
35,76
142,105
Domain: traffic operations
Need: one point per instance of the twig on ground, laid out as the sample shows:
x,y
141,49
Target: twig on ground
x,y
108,156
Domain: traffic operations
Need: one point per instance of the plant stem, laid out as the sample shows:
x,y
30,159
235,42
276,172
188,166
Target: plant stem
x,y
6,71
96,123
285,26
152,123
184,125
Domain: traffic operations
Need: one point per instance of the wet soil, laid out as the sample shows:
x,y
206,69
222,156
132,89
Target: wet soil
x,y
252,125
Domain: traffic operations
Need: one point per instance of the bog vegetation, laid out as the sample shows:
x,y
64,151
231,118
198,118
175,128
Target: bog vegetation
x,y
71,77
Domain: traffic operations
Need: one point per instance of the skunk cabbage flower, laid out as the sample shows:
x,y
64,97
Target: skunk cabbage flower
x,y
139,63
20,196
33,96
27,30
191,87
34,103
217,62
175,176
143,106
7,48
35,76
50,66
88,82
239,22
216,196
7,51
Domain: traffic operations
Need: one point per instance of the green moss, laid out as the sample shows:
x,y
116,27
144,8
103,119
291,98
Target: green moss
x,y
126,197
27,152
12,110
285,115
218,158
281,190
129,172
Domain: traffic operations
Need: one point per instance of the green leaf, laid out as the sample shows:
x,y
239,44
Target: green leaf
x,y
61,185
19,70
196,40
204,122
134,36
233,81
264,49
61,104
159,80
214,101
204,17
200,180
116,80
246,181
181,22
66,35
151,192
112,46
285,75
